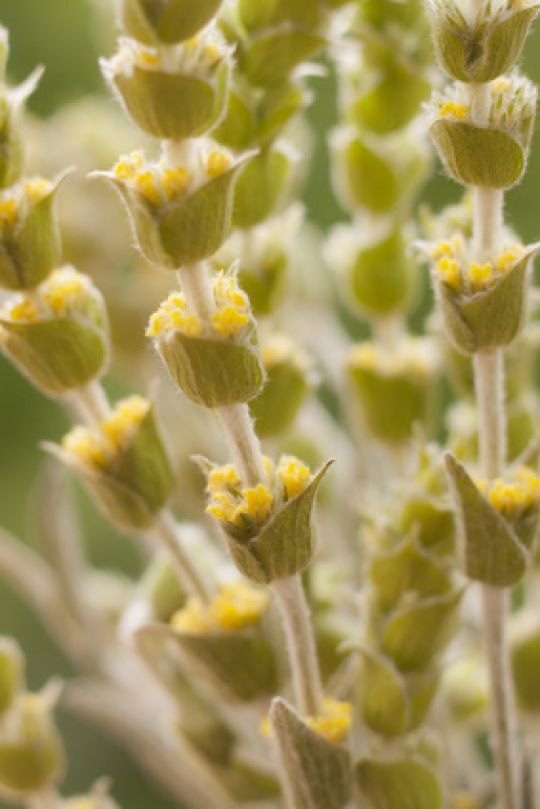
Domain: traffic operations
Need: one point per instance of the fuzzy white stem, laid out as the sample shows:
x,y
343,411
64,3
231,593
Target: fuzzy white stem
x,y
488,221
165,530
489,379
301,649
90,403
243,443
195,283
49,799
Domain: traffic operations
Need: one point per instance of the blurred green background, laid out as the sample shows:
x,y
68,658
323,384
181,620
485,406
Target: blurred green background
x,y
64,36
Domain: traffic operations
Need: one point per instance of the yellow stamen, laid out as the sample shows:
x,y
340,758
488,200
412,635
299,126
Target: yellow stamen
x,y
175,181
8,211
223,477
479,275
448,271
258,502
87,447
63,290
238,606
217,163
334,722
222,507
294,475
229,321
193,619
123,422
146,184
25,311
454,110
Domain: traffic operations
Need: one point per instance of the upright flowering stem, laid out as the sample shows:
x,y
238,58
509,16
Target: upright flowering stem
x,y
165,530
307,684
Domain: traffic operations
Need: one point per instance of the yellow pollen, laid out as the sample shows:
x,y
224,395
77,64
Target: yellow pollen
x,y
87,447
268,467
158,324
223,477
454,110
217,163
226,290
508,259
25,311
294,475
146,184
448,271
258,502
442,249
238,606
188,324
479,275
364,356
148,57
175,181
37,188
229,321
193,619
212,52
500,85
514,497
334,721
63,291
123,422
8,211
222,507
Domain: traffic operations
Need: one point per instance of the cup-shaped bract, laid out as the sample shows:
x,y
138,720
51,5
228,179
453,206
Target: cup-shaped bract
x,y
58,335
214,362
492,153
165,23
180,213
268,526
380,378
481,48
174,93
29,233
123,463
31,752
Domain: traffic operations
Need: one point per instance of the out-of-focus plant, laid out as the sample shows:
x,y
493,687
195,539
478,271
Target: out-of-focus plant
x,y
277,654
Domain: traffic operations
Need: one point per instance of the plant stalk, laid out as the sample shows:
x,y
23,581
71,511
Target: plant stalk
x,y
489,380
291,599
165,530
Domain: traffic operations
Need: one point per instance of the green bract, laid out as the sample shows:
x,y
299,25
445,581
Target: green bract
x,y
480,53
490,318
174,105
11,672
31,753
213,372
30,238
398,784
317,772
284,546
262,187
169,22
184,230
277,406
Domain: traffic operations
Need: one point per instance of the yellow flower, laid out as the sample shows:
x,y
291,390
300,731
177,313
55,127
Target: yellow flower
x,y
294,475
229,321
454,110
236,607
448,271
334,721
480,275
126,417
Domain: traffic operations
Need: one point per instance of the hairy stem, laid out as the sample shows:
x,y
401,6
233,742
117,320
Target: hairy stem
x,y
243,441
48,799
301,649
165,530
489,378
90,404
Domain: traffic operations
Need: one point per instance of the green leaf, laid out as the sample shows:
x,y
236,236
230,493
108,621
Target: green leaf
x,y
490,550
270,58
371,179
11,672
525,657
153,21
317,773
401,784
382,278
260,187
276,407
284,546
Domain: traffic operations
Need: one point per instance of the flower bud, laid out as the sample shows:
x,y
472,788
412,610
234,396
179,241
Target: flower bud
x,y
497,523
174,93
181,214
287,386
166,23
382,377
29,234
483,304
492,154
268,526
214,363
11,672
58,335
377,177
31,753
123,463
224,642
384,782
375,272
485,47
263,186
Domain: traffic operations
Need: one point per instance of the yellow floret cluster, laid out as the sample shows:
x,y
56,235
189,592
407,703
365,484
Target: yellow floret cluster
x,y
231,315
453,109
236,607
452,269
197,55
333,723
98,448
512,498
159,183
414,355
249,508
64,291
16,202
